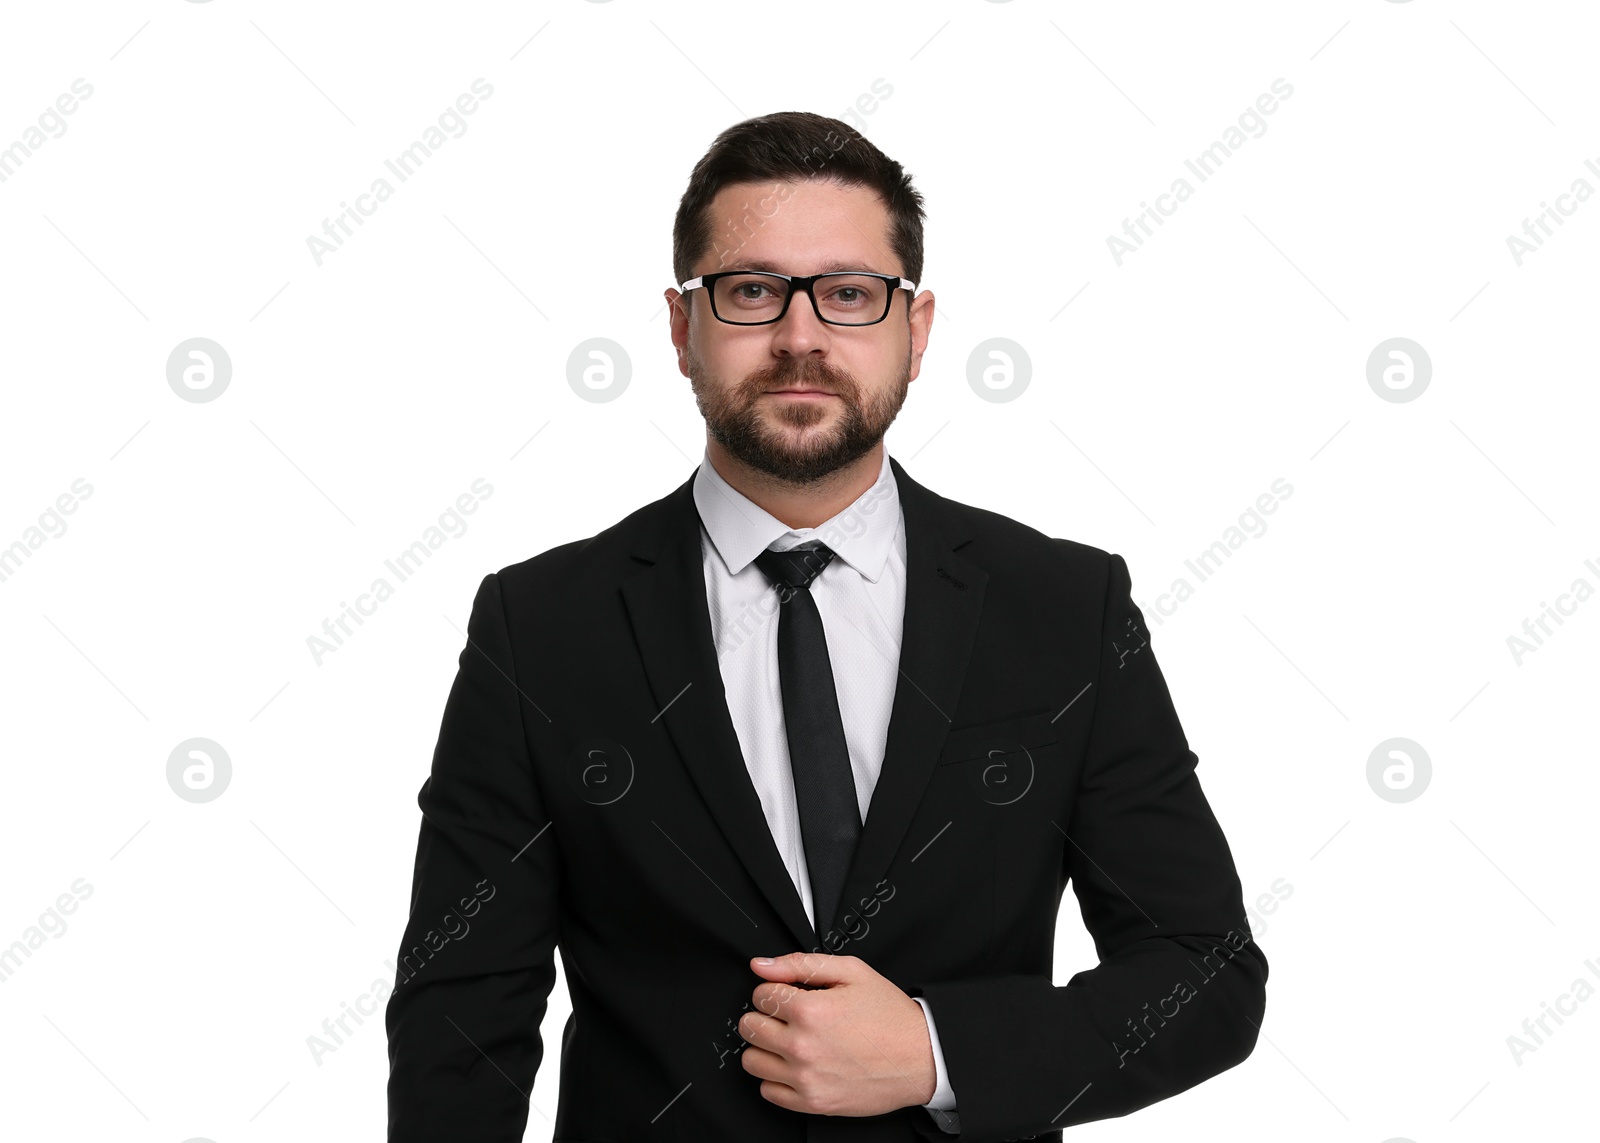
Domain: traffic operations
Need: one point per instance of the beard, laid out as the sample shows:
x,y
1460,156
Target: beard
x,y
777,441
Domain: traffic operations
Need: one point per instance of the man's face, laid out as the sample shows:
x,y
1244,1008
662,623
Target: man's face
x,y
799,398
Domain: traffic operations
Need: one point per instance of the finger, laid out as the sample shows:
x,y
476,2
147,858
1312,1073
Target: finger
x,y
783,1095
765,1065
764,1032
774,1001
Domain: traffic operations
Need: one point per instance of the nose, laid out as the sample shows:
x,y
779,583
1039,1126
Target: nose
x,y
800,331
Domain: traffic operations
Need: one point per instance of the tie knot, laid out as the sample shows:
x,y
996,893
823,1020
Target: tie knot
x,y
797,567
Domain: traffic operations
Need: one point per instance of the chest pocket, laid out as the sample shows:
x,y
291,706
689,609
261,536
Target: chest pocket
x,y
1004,735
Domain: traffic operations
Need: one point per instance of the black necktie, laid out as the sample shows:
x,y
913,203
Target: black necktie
x,y
824,784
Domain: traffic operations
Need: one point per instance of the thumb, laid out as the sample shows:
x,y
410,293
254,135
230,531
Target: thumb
x,y
805,968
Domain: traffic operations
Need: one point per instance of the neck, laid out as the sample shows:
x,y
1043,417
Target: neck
x,y
799,505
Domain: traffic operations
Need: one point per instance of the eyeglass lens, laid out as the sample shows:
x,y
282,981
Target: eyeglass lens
x,y
847,299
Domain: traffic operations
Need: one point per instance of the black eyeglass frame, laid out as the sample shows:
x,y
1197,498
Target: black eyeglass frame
x,y
795,282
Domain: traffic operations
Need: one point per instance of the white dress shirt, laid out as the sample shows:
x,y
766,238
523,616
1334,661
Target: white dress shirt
x,y
860,595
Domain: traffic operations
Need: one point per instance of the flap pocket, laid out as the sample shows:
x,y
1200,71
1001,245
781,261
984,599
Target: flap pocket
x,y
1005,734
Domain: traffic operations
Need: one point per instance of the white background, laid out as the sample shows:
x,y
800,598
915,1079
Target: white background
x,y
368,392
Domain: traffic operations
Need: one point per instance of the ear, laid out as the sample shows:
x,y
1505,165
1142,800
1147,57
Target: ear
x,y
921,320
678,326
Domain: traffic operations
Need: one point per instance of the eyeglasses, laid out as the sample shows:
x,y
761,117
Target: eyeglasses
x,y
750,297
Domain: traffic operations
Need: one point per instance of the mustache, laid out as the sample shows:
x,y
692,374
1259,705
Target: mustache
x,y
811,373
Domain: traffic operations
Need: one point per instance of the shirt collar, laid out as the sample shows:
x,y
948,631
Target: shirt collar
x,y
860,534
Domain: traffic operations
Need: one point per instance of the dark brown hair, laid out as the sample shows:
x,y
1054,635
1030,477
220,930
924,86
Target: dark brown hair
x,y
787,146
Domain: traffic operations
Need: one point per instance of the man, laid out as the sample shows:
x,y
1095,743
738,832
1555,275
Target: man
x,y
803,708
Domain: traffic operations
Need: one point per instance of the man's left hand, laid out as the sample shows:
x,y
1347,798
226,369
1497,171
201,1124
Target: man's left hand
x,y
852,1043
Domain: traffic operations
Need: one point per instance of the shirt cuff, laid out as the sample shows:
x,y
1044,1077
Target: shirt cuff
x,y
942,1105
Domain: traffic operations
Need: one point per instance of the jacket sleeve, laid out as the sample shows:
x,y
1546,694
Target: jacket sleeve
x,y
1180,987
476,961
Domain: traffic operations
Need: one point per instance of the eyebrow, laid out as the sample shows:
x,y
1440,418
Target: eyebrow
x,y
833,267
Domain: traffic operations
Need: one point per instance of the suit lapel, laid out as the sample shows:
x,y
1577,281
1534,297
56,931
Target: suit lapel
x,y
671,621
944,598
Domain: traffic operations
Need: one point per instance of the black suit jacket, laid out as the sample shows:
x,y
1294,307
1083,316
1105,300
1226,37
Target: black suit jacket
x,y
588,792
